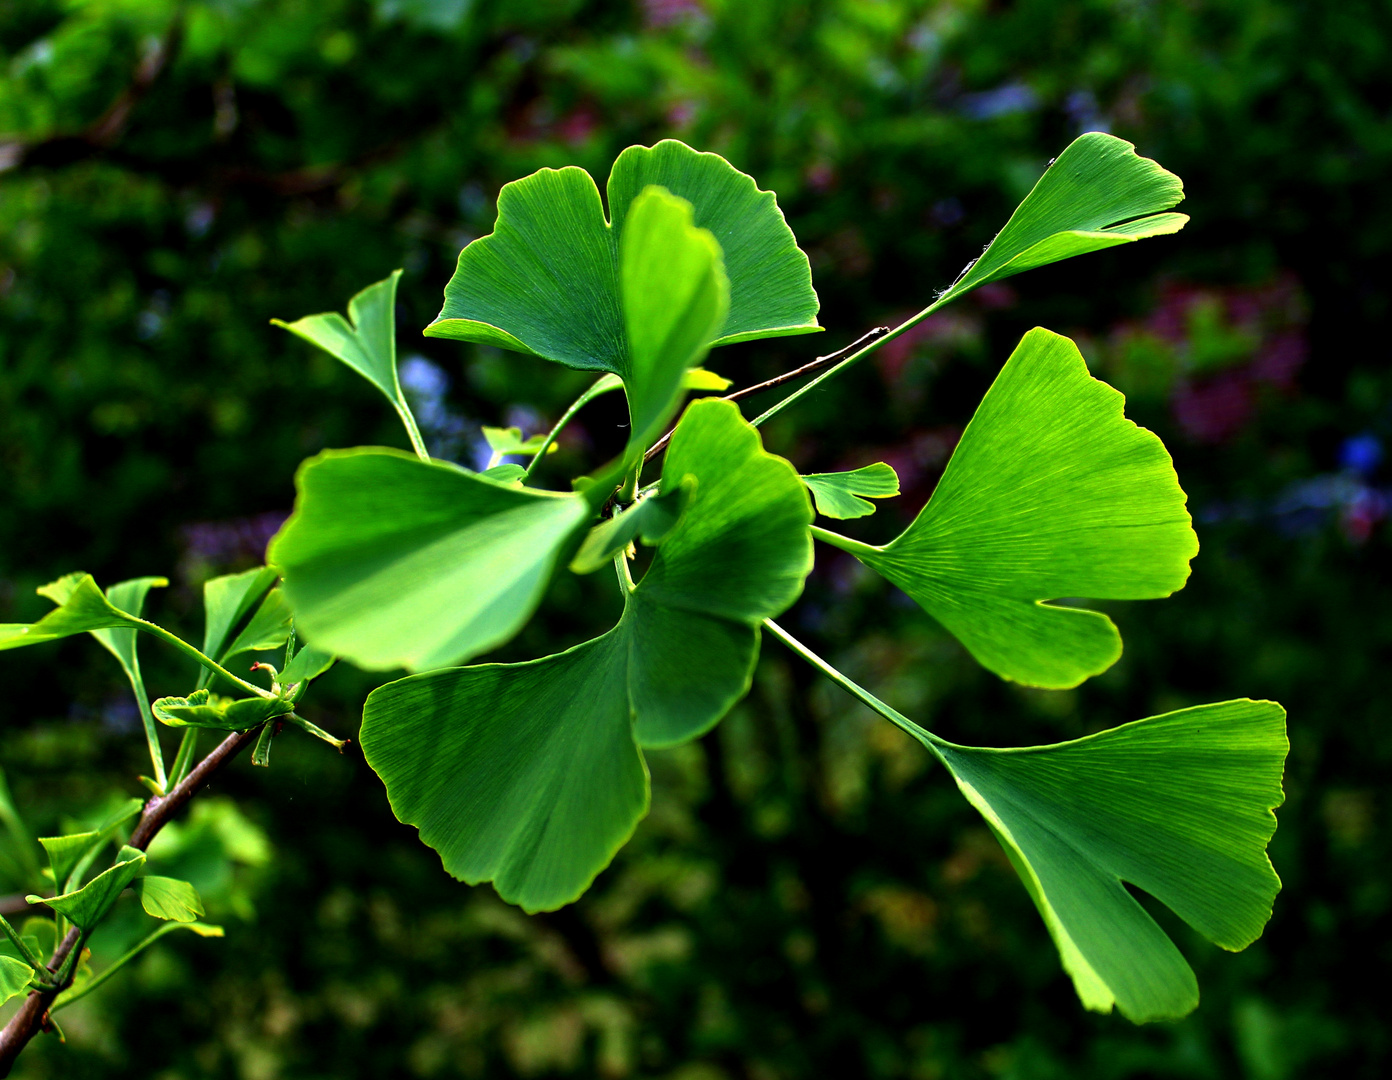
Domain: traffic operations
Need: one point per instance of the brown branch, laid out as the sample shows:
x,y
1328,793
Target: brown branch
x,y
786,377
32,1017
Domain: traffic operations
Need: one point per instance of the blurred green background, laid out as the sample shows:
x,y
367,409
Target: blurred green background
x,y
809,897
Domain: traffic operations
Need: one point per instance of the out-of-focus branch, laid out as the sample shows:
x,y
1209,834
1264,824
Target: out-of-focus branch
x,y
32,1017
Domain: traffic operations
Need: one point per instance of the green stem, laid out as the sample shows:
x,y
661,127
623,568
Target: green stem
x,y
147,718
69,996
30,957
412,431
906,325
845,543
602,385
625,577
188,650
898,719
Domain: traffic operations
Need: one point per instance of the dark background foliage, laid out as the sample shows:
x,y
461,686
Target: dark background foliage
x,y
809,897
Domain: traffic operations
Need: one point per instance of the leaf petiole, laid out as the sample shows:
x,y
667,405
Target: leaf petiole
x,y
602,385
30,957
898,719
188,650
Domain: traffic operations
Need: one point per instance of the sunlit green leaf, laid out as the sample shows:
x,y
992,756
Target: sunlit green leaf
x,y
206,710
122,643
81,607
268,628
838,494
389,561
533,776
504,441
86,906
365,341
1098,193
546,280
228,602
1051,493
675,295
651,518
1178,805
309,663
15,976
169,898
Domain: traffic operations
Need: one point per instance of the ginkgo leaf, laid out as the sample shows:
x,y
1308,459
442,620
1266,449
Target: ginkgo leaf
x,y
365,341
1096,194
505,441
121,642
1178,805
242,613
771,292
389,561
533,776
15,976
651,518
203,709
82,606
546,282
309,663
675,295
837,494
1051,493
86,906
169,898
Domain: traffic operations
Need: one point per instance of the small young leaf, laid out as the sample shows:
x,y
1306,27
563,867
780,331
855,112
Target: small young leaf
x,y
367,344
268,628
1179,805
309,663
651,518
504,441
169,898
15,976
81,607
86,906
534,777
65,852
1051,493
699,378
1098,193
389,561
206,710
836,494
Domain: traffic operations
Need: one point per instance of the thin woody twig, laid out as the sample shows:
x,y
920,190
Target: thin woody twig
x,y
779,380
32,1017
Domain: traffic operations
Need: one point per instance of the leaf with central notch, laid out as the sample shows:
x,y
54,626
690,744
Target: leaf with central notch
x,y
838,494
389,561
534,776
1051,493
1178,805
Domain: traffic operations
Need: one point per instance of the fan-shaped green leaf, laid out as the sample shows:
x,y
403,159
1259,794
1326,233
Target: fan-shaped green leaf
x,y
1051,493
86,906
390,561
206,710
309,663
268,629
1098,193
367,343
771,291
15,976
531,776
227,606
169,898
838,494
81,607
1178,805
